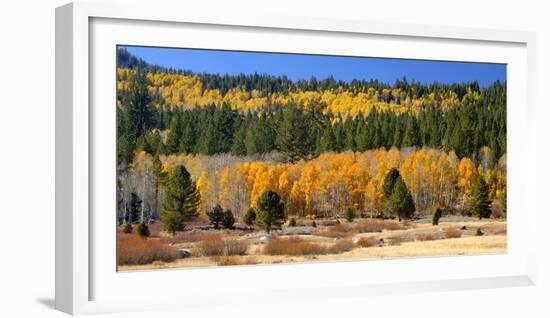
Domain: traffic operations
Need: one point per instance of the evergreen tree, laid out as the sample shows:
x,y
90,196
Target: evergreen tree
x,y
137,105
249,217
181,200
208,140
187,141
436,216
251,139
389,181
160,177
292,136
326,141
349,215
397,136
223,120
174,136
133,209
400,202
228,220
143,230
361,136
239,148
270,211
412,134
216,216
480,205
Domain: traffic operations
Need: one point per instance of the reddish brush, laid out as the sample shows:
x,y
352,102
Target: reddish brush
x,y
135,250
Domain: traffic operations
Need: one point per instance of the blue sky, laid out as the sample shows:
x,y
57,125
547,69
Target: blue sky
x,y
301,66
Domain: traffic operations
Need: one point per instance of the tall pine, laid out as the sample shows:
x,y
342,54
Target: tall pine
x,y
181,200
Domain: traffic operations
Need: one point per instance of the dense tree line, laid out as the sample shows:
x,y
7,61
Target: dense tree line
x,y
300,134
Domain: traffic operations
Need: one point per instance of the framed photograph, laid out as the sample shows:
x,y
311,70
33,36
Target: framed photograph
x,y
240,156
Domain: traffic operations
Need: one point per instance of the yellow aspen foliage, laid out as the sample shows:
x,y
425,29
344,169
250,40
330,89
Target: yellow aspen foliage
x,y
186,91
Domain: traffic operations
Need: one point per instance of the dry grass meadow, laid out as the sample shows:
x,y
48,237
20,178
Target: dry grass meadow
x,y
329,240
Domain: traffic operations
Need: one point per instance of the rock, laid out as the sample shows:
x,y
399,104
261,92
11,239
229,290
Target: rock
x,y
463,227
265,238
184,253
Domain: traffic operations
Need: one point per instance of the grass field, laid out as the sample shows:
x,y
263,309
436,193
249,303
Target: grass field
x,y
362,239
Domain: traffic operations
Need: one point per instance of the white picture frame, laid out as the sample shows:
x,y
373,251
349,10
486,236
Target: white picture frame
x,y
79,157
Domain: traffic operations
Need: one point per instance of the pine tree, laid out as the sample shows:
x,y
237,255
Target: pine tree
x,y
397,136
480,205
160,177
389,181
436,216
361,136
228,220
187,140
251,139
143,230
293,139
215,216
239,148
181,200
174,135
349,215
400,202
412,134
137,105
249,217
208,140
133,209
270,211
326,141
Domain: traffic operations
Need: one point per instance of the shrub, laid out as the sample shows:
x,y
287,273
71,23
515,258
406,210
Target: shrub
x,y
452,232
496,210
136,250
394,240
313,224
215,245
426,237
338,231
337,221
228,220
436,216
370,226
340,246
249,217
235,247
127,228
366,242
143,230
234,260
296,246
326,222
292,222
349,215
394,226
293,245
478,232
211,246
